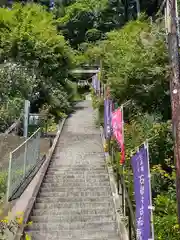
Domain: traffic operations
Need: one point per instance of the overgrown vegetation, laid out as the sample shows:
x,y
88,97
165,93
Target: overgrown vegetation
x,y
135,66
34,62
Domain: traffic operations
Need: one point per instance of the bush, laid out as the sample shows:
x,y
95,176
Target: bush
x,y
3,184
135,66
165,215
35,58
9,112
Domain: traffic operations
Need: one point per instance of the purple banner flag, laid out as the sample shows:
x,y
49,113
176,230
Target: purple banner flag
x,y
94,82
140,165
10,3
107,118
98,85
51,4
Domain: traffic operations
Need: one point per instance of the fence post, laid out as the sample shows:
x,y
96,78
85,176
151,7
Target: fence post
x,y
9,177
26,121
39,144
26,117
25,160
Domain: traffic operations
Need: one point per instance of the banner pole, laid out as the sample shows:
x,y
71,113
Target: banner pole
x,y
146,145
124,191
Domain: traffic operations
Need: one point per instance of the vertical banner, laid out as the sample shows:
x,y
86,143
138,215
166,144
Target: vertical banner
x,y
98,85
93,82
142,189
107,117
10,3
51,4
117,127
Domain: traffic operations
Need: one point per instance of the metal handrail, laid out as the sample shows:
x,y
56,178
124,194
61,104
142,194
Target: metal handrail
x,y
22,161
126,202
27,140
130,208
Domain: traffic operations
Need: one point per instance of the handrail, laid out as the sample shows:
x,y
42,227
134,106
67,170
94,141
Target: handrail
x,y
132,215
27,140
126,199
21,162
13,126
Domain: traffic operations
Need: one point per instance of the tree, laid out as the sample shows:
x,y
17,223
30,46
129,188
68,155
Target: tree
x,y
135,64
28,37
100,17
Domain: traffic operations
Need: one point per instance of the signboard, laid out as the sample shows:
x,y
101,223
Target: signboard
x,y
117,127
140,165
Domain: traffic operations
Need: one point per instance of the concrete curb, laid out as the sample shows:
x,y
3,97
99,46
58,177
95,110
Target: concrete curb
x,y
122,231
26,202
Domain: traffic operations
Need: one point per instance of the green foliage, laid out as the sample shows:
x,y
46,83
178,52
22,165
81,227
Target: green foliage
x,y
35,59
17,81
166,215
166,227
99,16
3,184
162,180
10,111
144,127
135,66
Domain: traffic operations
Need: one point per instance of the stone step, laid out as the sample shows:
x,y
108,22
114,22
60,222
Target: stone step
x,y
98,226
76,168
81,187
81,184
84,205
73,218
90,168
68,194
77,179
77,175
48,187
73,235
55,199
77,171
73,211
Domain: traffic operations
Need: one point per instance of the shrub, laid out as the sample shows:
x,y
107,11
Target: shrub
x,y
135,66
38,58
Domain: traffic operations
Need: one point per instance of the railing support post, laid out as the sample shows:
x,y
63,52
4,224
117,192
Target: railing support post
x,y
9,177
25,160
130,229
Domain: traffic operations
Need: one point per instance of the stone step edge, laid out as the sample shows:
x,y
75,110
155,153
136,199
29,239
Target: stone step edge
x,y
77,209
76,215
77,190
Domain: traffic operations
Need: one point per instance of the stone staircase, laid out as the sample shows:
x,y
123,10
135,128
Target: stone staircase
x,y
75,199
